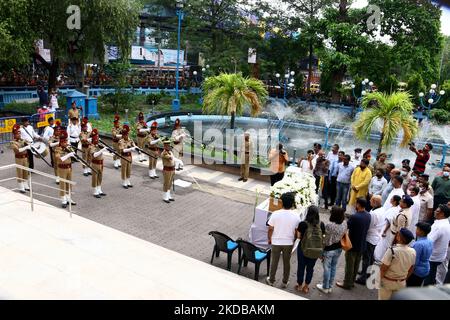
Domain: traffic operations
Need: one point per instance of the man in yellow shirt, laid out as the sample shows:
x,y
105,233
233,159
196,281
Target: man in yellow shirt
x,y
360,182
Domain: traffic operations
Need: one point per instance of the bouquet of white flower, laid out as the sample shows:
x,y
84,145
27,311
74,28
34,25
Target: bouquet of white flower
x,y
302,184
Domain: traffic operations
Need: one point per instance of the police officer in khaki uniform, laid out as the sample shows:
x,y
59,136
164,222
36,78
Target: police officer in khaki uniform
x,y
96,157
116,136
178,135
169,163
20,148
74,112
126,146
142,133
397,265
151,146
246,157
85,138
63,157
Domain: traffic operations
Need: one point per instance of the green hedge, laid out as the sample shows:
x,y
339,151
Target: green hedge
x,y
441,116
28,108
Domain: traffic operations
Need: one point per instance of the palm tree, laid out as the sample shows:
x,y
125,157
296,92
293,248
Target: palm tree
x,y
394,110
229,93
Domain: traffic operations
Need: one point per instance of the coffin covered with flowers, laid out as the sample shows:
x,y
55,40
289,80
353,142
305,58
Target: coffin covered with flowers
x,y
300,183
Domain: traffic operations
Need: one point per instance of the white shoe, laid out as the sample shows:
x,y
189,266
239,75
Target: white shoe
x,y
21,187
321,289
268,282
124,184
284,285
170,196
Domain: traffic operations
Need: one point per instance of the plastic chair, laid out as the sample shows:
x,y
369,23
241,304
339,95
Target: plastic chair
x,y
225,244
252,253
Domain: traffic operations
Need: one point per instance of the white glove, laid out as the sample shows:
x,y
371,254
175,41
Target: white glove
x,y
129,149
54,144
67,156
25,148
144,130
89,139
98,153
118,136
155,141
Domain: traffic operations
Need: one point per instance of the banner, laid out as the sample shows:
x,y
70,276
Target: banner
x,y
167,58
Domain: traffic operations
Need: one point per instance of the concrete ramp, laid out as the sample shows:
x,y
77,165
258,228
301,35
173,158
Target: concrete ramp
x,y
45,254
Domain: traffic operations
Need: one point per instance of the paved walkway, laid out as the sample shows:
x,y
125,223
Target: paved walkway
x,y
182,226
46,254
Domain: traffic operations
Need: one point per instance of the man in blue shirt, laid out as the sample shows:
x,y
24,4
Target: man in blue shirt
x,y
424,248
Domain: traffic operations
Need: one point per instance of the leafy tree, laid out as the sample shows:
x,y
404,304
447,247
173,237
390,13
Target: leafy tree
x,y
102,23
395,112
307,17
414,29
120,72
415,86
231,93
16,36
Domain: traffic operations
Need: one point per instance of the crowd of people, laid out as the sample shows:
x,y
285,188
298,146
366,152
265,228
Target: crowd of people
x,y
394,218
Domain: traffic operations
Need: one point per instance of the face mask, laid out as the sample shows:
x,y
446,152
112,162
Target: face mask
x,y
446,174
404,173
357,155
413,178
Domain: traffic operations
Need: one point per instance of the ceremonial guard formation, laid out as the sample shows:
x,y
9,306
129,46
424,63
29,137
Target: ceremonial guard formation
x,y
63,144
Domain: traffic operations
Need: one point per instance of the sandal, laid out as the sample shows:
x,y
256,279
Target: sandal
x,y
298,288
305,289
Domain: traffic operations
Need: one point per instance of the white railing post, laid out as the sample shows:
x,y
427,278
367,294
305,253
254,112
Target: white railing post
x,y
70,200
31,191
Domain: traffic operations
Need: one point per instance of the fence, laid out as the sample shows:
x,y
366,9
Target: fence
x,y
38,121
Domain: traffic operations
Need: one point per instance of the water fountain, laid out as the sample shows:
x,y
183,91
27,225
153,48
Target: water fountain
x,y
444,133
328,117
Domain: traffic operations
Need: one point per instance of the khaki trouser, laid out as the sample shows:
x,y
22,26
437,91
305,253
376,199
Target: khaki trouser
x,y
63,186
115,146
85,155
125,168
140,142
20,173
97,178
152,161
245,168
168,177
388,288
276,252
55,163
178,150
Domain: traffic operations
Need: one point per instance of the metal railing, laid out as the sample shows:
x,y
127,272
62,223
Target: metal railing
x,y
30,182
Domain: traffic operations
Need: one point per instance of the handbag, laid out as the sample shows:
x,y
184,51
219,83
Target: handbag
x,y
346,244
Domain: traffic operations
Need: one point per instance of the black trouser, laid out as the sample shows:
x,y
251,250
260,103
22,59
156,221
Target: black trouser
x,y
367,259
30,159
317,183
276,177
332,190
414,281
431,278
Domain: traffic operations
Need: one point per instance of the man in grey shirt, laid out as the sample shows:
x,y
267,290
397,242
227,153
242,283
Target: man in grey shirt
x,y
344,175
